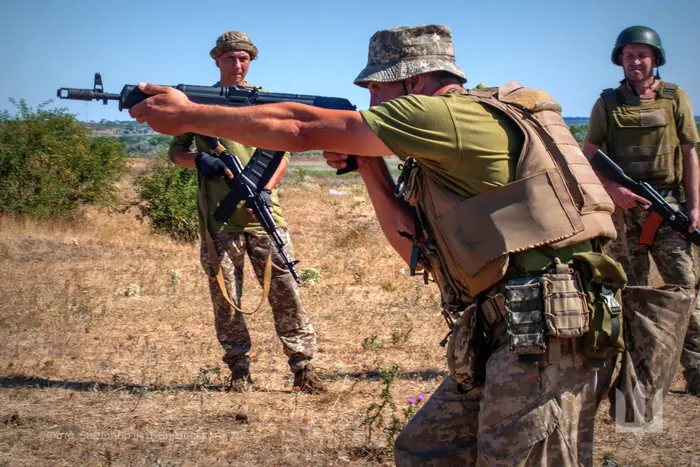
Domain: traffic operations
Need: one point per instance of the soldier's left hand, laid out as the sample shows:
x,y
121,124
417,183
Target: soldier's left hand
x,y
165,111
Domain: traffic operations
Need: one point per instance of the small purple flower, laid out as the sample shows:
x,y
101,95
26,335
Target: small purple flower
x,y
421,398
411,400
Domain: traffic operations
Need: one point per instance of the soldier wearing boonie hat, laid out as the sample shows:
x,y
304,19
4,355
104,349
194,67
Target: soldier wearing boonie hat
x,y
457,145
478,226
234,40
225,245
400,53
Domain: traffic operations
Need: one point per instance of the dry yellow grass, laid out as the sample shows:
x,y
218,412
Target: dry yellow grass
x,y
89,375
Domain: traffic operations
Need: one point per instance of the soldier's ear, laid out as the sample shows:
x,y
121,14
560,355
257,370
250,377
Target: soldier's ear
x,y
417,84
216,60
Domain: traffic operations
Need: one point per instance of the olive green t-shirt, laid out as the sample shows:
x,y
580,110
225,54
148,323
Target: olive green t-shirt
x,y
470,147
217,189
683,116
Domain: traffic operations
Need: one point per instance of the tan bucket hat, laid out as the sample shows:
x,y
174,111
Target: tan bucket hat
x,y
233,40
399,53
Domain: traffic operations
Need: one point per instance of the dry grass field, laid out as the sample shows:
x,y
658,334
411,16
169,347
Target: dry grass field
x,y
108,354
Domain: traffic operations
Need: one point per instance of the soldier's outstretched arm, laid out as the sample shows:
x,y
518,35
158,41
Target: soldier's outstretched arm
x,y
288,127
285,126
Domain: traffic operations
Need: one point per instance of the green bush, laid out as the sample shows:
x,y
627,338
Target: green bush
x,y
148,147
579,133
50,165
167,195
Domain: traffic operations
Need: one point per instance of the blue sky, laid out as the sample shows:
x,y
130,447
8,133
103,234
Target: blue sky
x,y
318,47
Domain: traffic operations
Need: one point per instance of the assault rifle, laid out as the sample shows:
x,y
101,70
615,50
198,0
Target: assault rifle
x,y
233,96
248,181
662,211
246,185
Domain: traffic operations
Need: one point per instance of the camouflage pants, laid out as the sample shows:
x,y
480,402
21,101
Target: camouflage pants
x,y
526,414
291,321
673,257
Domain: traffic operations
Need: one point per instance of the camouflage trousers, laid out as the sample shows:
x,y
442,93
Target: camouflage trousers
x,y
673,257
291,321
533,413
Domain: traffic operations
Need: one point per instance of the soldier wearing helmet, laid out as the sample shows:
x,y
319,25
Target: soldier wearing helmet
x,y
647,126
225,244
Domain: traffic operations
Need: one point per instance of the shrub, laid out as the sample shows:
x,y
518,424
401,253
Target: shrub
x,y
167,196
50,165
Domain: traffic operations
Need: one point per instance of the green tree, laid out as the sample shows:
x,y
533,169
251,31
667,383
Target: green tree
x,y
50,165
167,196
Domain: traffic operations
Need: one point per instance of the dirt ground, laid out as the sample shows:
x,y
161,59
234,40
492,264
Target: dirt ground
x,y
108,354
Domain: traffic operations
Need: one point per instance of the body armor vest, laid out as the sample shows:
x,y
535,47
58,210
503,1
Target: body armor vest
x,y
556,199
642,139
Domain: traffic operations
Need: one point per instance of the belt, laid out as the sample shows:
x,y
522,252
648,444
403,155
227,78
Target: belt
x,y
493,311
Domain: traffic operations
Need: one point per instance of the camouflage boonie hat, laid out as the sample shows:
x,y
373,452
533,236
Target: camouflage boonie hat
x,y
399,53
234,40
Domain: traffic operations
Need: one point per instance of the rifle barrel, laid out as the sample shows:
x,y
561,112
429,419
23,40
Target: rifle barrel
x,y
86,94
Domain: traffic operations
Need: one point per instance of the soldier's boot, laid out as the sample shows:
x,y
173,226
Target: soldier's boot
x,y
240,380
309,380
693,379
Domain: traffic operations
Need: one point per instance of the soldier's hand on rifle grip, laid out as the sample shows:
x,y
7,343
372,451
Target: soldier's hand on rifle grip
x,y
266,195
211,166
341,162
624,197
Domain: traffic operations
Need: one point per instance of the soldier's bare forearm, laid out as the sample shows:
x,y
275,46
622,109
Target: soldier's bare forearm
x,y
393,215
691,175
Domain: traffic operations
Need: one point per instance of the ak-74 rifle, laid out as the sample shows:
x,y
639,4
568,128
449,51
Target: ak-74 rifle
x,y
248,181
662,211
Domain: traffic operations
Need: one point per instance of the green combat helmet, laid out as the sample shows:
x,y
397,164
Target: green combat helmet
x,y
639,35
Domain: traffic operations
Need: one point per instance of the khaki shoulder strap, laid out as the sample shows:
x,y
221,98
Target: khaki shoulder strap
x,y
669,91
485,92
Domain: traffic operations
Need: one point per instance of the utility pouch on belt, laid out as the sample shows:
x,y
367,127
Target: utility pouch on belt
x,y
462,352
603,278
525,327
566,313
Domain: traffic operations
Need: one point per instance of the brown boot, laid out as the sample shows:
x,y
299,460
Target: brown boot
x,y
240,381
309,380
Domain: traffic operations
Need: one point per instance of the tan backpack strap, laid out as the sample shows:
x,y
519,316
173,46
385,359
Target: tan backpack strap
x,y
669,91
214,257
485,92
